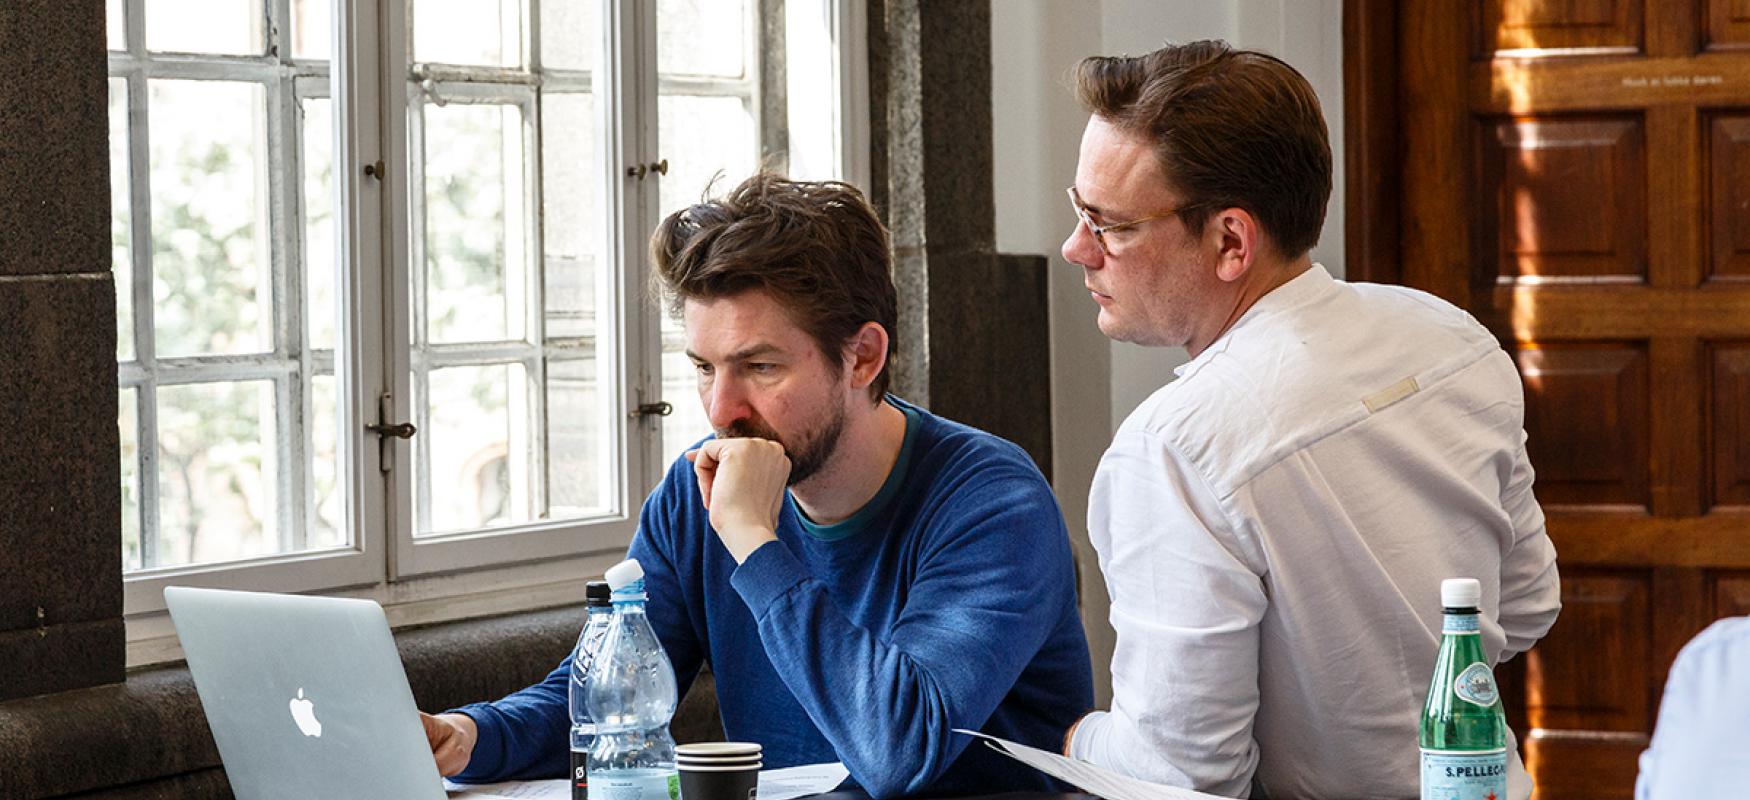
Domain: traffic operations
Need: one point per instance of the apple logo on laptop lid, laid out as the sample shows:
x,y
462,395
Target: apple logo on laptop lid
x,y
304,713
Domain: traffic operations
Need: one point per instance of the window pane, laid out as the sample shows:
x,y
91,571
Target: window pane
x,y
579,472
210,251
680,387
113,28
569,34
476,32
312,29
120,219
701,37
810,73
478,437
128,420
473,223
327,519
703,138
218,461
569,173
319,244
205,26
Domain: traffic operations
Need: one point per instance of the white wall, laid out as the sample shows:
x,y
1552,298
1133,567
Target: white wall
x,y
1035,44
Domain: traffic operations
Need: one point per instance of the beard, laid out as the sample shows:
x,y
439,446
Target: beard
x,y
808,453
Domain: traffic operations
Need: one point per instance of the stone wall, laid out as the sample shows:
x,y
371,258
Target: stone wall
x,y
60,501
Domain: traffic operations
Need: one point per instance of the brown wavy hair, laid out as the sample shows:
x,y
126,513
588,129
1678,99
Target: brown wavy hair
x,y
817,247
1230,128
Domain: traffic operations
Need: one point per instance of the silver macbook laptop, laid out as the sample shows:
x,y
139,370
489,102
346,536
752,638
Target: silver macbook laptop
x,y
305,695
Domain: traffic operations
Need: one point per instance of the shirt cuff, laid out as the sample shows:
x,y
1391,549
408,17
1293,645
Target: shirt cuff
x,y
1081,743
769,572
487,739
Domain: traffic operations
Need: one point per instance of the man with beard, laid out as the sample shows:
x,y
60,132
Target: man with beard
x,y
862,575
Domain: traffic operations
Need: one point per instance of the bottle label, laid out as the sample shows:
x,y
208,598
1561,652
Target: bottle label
x,y
579,775
1449,775
635,784
1461,623
1476,685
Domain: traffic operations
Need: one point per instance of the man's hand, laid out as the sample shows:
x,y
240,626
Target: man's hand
x,y
742,483
1070,735
452,738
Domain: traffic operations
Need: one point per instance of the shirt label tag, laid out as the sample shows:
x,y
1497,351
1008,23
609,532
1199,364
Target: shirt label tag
x,y
1390,394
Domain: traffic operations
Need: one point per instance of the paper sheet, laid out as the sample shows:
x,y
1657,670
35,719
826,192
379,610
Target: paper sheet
x,y
559,789
793,782
775,784
1085,776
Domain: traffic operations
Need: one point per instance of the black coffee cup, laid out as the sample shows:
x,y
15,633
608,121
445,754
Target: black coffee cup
x,y
719,770
738,782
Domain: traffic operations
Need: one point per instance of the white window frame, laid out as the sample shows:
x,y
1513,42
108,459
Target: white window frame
x,y
421,580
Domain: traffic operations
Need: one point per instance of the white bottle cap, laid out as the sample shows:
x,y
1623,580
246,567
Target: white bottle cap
x,y
625,573
1457,593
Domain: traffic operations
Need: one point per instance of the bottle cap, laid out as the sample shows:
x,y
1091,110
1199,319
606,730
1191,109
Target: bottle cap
x,y
1461,593
597,593
624,574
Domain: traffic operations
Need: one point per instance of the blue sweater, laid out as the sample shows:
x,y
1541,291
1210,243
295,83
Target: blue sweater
x,y
947,602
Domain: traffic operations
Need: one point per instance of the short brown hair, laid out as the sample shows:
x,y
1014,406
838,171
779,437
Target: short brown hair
x,y
817,247
1231,128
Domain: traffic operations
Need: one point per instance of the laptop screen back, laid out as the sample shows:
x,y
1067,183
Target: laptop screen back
x,y
306,696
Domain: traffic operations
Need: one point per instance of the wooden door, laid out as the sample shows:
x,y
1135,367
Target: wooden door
x,y
1576,173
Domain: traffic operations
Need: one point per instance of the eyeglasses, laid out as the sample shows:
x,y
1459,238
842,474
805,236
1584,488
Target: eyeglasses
x,y
1100,231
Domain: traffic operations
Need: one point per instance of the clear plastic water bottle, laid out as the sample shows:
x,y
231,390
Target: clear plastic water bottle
x,y
631,693
1464,732
595,628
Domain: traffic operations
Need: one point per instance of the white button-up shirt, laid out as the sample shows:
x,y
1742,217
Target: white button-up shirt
x,y
1273,528
1699,749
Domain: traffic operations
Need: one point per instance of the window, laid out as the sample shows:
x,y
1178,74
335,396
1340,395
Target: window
x,y
310,240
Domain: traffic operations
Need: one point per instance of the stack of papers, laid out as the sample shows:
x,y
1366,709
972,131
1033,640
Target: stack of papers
x,y
775,784
1085,776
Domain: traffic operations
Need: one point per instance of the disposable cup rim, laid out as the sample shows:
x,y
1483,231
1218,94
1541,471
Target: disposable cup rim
x,y
753,767
718,749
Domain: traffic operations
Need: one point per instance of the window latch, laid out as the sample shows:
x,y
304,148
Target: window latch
x,y
403,430
657,409
387,432
639,171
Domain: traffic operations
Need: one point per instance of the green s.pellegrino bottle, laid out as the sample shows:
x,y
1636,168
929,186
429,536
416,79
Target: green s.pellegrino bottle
x,y
1464,732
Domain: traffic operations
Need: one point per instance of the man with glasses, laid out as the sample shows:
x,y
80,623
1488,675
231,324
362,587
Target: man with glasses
x,y
1274,524
862,576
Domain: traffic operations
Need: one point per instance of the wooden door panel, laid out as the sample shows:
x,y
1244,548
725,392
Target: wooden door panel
x,y
1728,174
1594,766
1553,25
1591,672
1569,199
1730,438
1728,24
1586,422
1577,175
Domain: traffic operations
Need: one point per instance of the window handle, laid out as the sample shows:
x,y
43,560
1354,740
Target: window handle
x,y
657,409
403,430
639,171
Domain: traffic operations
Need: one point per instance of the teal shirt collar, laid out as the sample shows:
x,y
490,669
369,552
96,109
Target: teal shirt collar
x,y
872,509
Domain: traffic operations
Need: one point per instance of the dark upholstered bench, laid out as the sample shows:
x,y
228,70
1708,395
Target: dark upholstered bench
x,y
148,738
